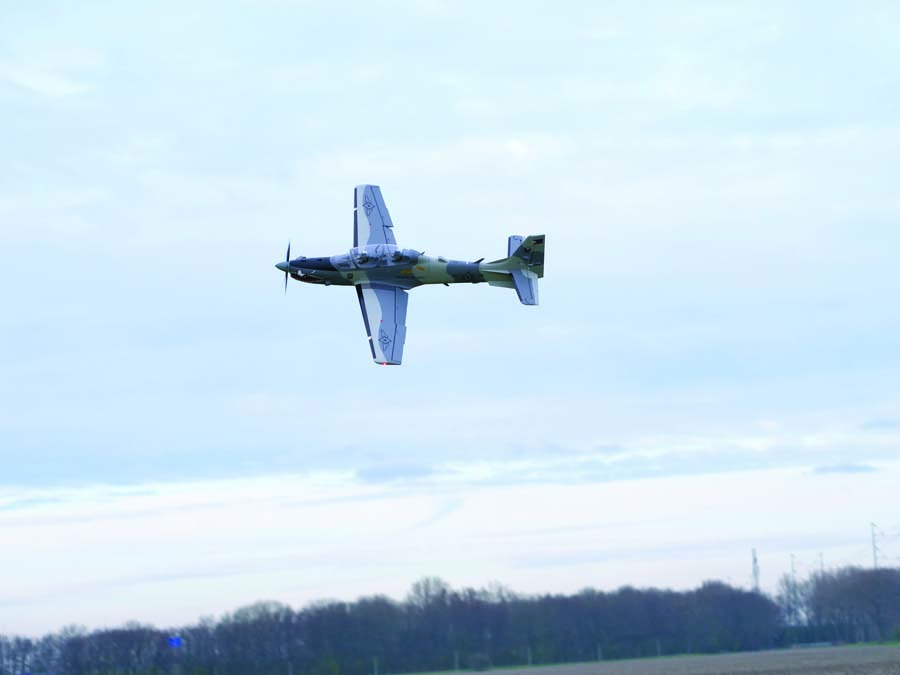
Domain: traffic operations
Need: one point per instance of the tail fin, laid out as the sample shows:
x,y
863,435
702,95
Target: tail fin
x,y
529,250
521,270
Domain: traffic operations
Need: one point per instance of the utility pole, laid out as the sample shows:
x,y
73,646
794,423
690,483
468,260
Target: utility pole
x,y
874,545
755,573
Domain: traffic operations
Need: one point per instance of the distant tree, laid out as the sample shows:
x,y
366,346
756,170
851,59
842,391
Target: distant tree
x,y
263,636
853,604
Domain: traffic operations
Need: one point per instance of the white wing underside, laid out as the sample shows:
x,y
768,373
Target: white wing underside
x,y
371,221
384,313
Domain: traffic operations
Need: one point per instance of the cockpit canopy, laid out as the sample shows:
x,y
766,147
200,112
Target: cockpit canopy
x,y
377,255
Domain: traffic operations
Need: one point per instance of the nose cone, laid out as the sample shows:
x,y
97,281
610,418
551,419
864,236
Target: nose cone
x,y
283,266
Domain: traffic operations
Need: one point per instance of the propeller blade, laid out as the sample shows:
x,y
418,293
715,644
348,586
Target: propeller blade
x,y
287,259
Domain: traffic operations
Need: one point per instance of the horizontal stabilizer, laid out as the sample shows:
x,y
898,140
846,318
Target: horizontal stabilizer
x,y
526,283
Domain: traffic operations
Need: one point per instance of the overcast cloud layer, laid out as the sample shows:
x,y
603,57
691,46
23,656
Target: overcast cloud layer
x,y
718,185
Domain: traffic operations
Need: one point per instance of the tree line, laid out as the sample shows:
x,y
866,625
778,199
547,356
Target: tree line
x,y
437,628
849,604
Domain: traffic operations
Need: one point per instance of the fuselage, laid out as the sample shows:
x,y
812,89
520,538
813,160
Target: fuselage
x,y
383,263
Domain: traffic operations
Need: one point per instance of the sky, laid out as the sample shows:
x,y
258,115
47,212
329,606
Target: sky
x,y
713,366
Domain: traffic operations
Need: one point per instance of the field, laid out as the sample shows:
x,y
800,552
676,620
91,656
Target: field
x,y
824,661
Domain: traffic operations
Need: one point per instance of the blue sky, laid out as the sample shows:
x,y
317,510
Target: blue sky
x,y
718,187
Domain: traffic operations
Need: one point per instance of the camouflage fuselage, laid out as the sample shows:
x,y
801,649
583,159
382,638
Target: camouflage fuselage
x,y
386,264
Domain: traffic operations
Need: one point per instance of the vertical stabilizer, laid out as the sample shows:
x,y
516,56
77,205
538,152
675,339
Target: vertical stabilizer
x,y
530,252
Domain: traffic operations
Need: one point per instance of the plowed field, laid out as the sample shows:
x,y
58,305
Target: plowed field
x,y
820,661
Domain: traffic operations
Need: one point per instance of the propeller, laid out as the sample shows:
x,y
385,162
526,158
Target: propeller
x,y
287,260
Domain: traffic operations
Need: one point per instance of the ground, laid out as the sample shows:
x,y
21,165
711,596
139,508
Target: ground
x,y
819,661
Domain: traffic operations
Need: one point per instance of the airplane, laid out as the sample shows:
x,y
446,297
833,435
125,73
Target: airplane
x,y
383,273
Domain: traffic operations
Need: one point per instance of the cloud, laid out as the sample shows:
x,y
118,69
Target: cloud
x,y
881,424
43,82
214,545
391,473
844,468
27,503
55,73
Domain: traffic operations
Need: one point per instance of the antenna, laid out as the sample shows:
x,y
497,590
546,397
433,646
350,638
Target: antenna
x,y
755,573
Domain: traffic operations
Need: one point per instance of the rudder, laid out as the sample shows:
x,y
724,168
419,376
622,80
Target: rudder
x,y
530,250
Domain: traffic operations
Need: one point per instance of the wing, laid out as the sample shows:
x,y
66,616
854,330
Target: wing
x,y
371,220
384,313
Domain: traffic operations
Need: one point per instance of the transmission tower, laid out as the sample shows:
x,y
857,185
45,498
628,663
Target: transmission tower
x,y
874,545
755,572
